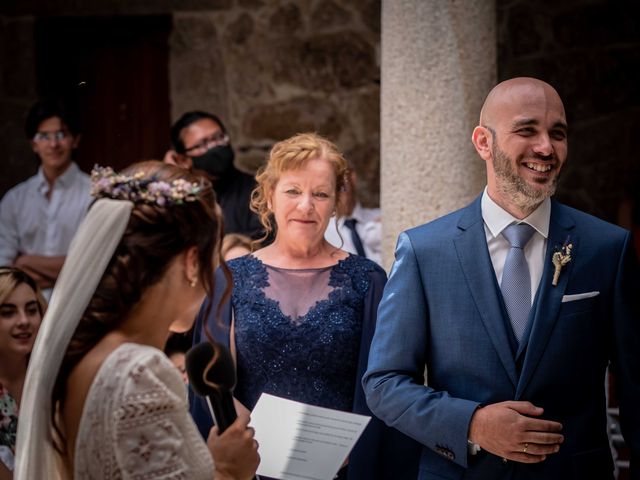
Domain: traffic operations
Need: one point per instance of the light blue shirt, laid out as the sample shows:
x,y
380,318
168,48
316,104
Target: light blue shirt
x,y
31,223
496,219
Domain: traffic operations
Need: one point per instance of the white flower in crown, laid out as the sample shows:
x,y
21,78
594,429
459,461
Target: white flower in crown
x,y
107,183
560,258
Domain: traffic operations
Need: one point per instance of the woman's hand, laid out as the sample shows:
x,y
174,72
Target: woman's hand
x,y
235,452
241,410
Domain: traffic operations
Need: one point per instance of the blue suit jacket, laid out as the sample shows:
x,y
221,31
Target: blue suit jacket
x,y
442,309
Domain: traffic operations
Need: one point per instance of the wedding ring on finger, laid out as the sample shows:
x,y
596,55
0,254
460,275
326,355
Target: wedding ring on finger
x,y
524,450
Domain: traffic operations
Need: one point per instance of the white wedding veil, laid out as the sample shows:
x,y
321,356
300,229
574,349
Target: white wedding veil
x,y
89,254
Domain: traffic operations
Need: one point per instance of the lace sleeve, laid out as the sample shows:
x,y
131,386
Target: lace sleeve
x,y
153,434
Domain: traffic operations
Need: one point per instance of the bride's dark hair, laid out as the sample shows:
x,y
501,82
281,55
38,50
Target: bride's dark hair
x,y
153,237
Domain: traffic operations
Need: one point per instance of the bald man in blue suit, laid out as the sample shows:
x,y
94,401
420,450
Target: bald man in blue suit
x,y
515,334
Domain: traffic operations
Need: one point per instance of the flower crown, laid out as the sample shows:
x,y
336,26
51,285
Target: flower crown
x,y
108,184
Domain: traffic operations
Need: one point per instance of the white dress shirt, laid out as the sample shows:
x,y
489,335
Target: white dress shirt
x,y
31,223
369,228
496,219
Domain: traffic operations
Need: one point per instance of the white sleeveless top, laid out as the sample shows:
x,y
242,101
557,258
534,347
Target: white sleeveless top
x,y
136,424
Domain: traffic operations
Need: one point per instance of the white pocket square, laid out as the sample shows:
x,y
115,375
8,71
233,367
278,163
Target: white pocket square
x,y
579,296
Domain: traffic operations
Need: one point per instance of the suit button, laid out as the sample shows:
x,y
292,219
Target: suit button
x,y
445,452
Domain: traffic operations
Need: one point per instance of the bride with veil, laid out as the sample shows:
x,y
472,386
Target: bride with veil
x,y
101,400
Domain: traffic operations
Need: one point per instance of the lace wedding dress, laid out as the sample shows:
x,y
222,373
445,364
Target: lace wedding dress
x,y
135,423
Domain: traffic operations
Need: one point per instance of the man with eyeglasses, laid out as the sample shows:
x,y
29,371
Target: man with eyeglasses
x,y
200,141
39,217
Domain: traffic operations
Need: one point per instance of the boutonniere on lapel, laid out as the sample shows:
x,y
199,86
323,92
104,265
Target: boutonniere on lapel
x,y
560,258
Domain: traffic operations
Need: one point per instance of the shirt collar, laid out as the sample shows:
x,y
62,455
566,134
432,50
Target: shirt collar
x,y
497,219
67,178
357,212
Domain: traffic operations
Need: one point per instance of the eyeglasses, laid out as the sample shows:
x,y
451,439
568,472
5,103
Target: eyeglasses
x,y
214,140
58,136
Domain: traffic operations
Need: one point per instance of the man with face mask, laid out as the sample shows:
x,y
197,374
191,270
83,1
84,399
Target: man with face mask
x,y
201,142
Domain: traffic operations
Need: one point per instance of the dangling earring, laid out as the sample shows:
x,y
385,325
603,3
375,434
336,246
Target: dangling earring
x,y
193,282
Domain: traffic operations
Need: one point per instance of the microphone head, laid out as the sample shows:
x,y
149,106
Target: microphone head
x,y
222,373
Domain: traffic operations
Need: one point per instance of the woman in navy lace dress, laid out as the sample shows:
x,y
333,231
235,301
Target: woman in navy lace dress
x,y
303,312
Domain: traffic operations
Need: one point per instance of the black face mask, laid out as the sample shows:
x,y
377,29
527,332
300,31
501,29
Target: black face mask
x,y
217,161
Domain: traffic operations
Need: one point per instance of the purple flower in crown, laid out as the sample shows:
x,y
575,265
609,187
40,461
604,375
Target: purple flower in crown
x,y
106,183
159,188
117,192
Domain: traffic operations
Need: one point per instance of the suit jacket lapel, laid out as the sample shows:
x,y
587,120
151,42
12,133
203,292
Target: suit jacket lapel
x,y
549,297
471,247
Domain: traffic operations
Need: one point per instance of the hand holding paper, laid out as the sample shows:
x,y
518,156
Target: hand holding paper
x,y
303,442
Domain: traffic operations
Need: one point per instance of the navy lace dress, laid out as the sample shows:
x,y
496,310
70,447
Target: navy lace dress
x,y
305,335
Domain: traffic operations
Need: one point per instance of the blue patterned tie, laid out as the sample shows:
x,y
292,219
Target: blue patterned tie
x,y
350,223
516,282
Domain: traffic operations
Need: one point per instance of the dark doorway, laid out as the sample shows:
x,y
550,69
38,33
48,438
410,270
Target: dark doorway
x,y
115,70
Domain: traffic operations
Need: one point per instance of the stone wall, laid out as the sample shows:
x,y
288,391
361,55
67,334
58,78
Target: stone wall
x,y
590,51
269,68
275,68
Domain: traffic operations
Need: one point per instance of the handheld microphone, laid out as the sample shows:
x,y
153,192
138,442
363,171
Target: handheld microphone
x,y
222,375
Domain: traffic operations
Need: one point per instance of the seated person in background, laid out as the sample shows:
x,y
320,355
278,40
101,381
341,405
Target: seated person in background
x,y
176,350
21,309
358,230
39,217
235,245
629,211
139,267
201,142
302,312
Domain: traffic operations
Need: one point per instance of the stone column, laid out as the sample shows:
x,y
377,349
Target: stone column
x,y
438,64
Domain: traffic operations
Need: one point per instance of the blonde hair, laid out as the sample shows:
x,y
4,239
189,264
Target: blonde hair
x,y
11,277
292,154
